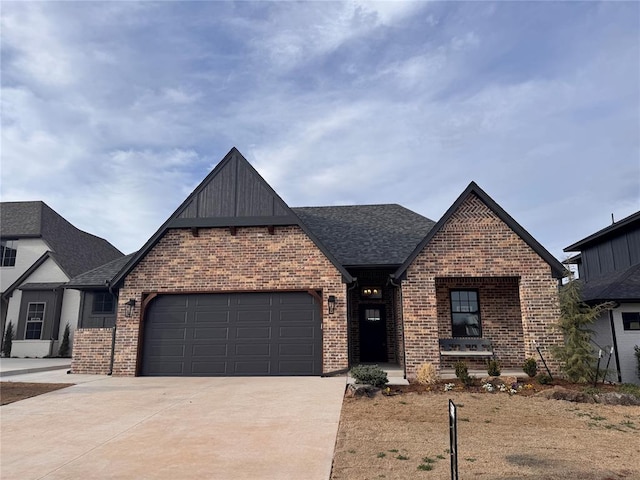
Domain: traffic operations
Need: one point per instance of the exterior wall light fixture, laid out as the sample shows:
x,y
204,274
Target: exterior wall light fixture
x,y
128,307
331,304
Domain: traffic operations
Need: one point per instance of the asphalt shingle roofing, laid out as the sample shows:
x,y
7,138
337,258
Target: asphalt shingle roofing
x,y
74,250
98,277
621,286
366,234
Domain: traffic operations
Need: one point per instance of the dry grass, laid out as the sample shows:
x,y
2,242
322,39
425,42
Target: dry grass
x,y
15,391
500,437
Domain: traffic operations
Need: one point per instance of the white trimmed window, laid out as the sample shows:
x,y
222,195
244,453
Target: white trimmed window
x,y
35,320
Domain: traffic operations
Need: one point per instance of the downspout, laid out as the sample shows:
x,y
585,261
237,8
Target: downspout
x,y
404,346
113,334
615,344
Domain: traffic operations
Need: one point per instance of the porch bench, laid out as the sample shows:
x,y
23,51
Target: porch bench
x,y
465,347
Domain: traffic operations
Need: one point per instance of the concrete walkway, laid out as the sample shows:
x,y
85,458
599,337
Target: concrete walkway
x,y
20,366
168,428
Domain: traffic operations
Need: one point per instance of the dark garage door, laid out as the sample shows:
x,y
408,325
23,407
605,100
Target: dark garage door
x,y
233,334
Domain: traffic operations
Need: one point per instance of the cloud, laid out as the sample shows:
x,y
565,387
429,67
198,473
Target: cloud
x,y
113,111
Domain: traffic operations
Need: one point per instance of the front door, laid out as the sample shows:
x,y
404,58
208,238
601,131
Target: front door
x,y
373,334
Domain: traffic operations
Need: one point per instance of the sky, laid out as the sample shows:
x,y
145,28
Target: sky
x,y
112,112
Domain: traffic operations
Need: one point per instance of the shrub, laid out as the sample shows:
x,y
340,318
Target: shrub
x,y
530,367
544,379
493,368
427,374
462,372
630,388
63,351
637,354
369,374
8,340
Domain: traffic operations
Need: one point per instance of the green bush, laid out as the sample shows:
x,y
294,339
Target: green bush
x,y
63,351
462,372
8,340
493,368
544,379
370,375
630,388
530,367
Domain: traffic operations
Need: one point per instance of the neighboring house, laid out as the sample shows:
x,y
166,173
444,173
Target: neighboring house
x,y
236,282
609,266
41,252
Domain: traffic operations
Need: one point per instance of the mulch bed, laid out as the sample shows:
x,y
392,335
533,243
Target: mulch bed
x,y
15,391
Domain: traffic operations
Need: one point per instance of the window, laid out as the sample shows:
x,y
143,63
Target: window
x,y
35,319
631,320
465,313
103,302
8,251
372,314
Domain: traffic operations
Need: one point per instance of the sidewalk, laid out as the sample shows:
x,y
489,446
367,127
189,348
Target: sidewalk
x,y
19,366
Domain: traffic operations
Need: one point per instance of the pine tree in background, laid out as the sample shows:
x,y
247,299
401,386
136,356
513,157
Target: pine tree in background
x,y
576,317
63,351
8,341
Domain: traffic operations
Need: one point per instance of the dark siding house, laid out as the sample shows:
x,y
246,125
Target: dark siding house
x,y
609,268
236,282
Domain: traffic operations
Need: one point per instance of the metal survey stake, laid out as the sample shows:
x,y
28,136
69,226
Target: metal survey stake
x,y
453,440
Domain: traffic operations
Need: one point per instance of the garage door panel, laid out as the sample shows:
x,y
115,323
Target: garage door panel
x,y
166,368
296,349
203,333
164,350
294,367
209,350
221,316
258,367
233,334
296,332
255,299
244,333
168,334
253,349
208,368
298,316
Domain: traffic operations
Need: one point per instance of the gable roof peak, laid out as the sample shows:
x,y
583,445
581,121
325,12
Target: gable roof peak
x,y
473,188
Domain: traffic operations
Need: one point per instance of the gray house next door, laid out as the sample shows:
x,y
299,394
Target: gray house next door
x,y
233,334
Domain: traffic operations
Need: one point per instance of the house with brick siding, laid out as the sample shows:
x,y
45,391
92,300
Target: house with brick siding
x,y
236,282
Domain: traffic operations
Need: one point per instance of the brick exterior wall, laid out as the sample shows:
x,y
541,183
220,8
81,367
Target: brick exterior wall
x,y
92,351
217,261
476,243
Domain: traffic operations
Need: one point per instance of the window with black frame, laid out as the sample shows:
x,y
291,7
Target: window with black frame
x,y
8,252
103,303
465,314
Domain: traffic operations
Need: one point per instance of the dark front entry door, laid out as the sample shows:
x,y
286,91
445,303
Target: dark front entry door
x,y
373,334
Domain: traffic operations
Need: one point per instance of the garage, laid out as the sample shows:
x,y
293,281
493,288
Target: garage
x,y
270,333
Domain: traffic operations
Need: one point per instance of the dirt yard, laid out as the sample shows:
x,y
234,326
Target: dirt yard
x,y
499,437
14,391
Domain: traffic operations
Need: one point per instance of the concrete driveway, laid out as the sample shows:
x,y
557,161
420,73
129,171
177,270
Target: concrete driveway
x,y
174,428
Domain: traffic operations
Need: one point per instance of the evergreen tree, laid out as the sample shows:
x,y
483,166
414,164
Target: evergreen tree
x,y
576,317
63,351
8,340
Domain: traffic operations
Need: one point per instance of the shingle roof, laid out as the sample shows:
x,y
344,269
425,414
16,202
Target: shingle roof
x,y
621,286
367,234
98,277
75,251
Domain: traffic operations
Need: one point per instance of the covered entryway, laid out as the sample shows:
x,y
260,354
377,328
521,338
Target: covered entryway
x,y
270,333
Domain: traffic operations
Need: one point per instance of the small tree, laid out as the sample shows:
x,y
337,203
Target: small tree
x,y
577,355
636,350
8,340
63,351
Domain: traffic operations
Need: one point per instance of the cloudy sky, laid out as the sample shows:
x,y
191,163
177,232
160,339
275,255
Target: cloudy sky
x,y
112,112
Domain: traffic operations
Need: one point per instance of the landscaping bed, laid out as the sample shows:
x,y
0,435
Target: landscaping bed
x,y
403,433
14,391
